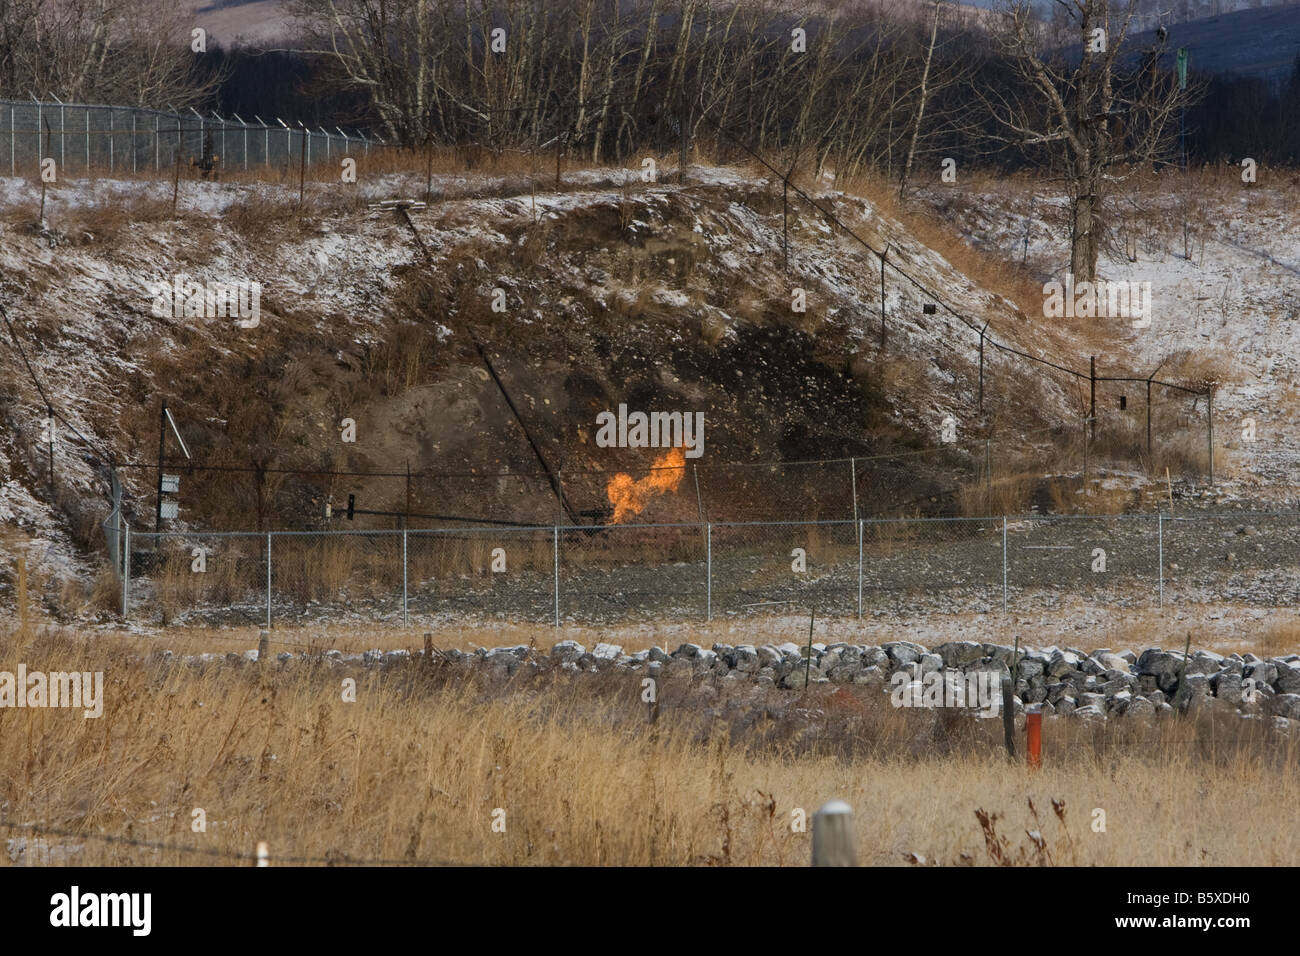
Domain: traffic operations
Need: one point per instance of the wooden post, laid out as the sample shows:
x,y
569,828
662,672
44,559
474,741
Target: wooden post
x,y
263,640
832,842
1008,718
263,854
1034,734
1179,696
428,649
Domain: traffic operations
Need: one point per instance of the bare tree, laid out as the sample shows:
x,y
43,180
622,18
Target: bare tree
x,y
1074,98
99,50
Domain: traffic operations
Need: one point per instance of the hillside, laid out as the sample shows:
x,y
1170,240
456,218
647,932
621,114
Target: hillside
x,y
658,296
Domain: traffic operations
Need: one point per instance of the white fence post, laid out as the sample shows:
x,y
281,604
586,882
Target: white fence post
x,y
832,842
405,617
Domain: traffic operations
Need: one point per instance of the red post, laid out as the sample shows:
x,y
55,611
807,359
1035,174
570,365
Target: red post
x,y
1034,733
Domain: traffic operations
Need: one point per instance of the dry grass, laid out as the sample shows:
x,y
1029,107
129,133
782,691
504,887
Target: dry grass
x,y
416,767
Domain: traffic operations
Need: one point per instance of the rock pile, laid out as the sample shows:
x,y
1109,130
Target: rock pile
x,y
1086,685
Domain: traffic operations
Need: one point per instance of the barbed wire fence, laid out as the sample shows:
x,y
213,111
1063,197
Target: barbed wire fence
x,y
91,137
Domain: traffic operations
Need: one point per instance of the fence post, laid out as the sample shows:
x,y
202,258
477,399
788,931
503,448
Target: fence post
x,y
126,569
268,579
708,572
853,483
1160,553
1034,734
263,645
832,842
1008,716
1004,564
555,541
405,616
860,523
13,151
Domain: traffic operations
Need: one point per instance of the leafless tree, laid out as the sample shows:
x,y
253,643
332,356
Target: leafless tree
x,y
1075,97
132,52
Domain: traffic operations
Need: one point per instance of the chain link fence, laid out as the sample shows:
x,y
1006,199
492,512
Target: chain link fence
x,y
701,571
88,137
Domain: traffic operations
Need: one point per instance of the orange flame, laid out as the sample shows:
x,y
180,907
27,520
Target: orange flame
x,y
629,496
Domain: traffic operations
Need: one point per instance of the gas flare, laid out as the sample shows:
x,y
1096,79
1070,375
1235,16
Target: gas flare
x,y
629,496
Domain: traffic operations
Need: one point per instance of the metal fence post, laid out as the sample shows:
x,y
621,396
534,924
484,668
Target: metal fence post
x,y
1160,553
1004,563
555,544
853,480
860,569
268,579
708,572
405,616
126,570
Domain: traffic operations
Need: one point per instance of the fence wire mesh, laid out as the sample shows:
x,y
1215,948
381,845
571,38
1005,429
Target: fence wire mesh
x,y
86,137
699,571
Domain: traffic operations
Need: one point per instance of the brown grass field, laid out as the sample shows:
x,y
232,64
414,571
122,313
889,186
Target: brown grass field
x,y
413,770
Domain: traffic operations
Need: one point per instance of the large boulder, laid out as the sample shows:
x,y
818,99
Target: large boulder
x,y
957,654
1288,679
903,652
746,659
1110,662
572,650
1286,705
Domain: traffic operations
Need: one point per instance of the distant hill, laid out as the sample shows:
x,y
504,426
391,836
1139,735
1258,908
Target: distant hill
x,y
256,22
1263,43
